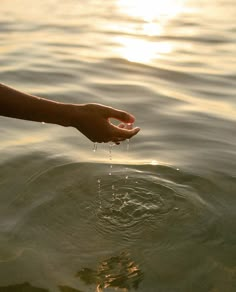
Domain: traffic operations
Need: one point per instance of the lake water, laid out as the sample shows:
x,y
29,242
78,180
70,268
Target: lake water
x,y
157,214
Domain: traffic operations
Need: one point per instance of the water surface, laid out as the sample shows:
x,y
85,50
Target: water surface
x,y
162,217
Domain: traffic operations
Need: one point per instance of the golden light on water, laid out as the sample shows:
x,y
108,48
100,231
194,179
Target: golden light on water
x,y
148,10
140,50
154,16
152,28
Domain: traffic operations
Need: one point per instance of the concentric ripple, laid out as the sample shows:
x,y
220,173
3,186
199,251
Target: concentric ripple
x,y
128,203
78,199
134,202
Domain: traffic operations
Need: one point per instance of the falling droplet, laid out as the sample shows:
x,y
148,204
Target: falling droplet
x,y
110,156
127,150
99,193
127,145
95,146
113,191
110,149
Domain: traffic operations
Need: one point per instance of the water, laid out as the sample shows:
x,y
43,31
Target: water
x,y
164,220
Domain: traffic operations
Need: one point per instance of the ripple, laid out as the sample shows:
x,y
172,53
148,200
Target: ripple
x,y
78,214
132,202
76,199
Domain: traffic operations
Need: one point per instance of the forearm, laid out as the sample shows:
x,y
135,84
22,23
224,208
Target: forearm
x,y
93,120
19,105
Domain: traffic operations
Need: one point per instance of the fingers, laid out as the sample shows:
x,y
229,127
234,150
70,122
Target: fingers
x,y
117,135
120,115
121,125
93,120
122,134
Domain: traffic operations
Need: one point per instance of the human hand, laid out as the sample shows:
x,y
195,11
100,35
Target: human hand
x,y
93,120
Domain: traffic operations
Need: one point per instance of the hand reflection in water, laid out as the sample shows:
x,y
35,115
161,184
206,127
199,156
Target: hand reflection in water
x,y
119,272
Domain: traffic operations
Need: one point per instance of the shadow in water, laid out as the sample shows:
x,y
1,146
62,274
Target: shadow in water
x,y
119,272
25,287
68,289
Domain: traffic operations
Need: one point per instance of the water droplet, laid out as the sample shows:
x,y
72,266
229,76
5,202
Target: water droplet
x,y
99,193
113,193
95,146
127,150
43,123
110,155
127,145
129,126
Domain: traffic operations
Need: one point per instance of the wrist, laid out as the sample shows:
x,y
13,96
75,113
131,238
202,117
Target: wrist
x,y
68,114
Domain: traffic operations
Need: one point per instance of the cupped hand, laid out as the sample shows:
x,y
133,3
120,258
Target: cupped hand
x,y
93,120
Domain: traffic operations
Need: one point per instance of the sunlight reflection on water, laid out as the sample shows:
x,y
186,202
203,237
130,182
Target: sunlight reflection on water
x,y
155,16
151,9
143,51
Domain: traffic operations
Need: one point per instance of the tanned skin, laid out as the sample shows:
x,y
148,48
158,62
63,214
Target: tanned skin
x,y
92,120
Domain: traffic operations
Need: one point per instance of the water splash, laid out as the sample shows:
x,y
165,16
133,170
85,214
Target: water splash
x,y
133,206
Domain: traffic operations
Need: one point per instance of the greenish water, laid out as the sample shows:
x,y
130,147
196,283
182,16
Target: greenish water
x,y
164,220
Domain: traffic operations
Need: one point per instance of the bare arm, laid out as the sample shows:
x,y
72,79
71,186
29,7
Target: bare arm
x,y
90,119
19,105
